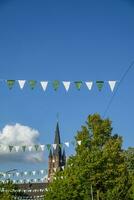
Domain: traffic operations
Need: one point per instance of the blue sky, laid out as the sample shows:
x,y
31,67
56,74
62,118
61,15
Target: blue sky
x,y
66,40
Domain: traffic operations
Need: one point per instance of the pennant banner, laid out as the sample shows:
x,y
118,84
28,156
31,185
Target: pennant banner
x,y
112,85
78,84
32,84
56,84
36,147
100,85
44,84
66,85
21,83
10,83
25,173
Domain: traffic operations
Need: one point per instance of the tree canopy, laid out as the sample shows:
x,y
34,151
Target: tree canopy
x,y
98,170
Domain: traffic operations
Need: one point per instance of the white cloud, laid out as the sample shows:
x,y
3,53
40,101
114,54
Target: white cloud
x,y
19,135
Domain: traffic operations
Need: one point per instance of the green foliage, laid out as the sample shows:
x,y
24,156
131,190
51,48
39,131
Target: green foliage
x,y
8,195
129,153
98,168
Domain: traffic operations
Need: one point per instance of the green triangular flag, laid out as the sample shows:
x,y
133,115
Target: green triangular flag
x,y
48,146
100,85
21,173
24,148
56,85
30,173
36,147
10,148
10,83
32,84
60,145
78,84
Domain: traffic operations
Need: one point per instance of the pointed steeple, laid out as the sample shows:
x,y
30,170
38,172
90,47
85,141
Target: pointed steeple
x,y
50,153
57,135
57,151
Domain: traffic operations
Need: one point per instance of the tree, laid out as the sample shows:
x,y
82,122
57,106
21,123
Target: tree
x,y
98,169
129,153
6,190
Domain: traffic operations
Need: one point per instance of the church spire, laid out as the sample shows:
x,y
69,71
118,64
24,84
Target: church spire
x,y
57,151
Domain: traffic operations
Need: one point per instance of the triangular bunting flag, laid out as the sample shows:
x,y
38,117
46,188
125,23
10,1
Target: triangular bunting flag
x,y
60,145
30,148
56,85
25,173
89,85
42,147
17,173
44,84
78,84
112,85
16,148
32,84
54,146
66,85
10,148
48,146
41,171
21,173
36,147
21,83
79,142
24,148
10,83
34,172
100,85
67,144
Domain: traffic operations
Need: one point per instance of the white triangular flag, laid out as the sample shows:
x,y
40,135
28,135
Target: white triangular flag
x,y
89,85
34,172
17,173
42,147
54,146
21,83
25,173
16,148
41,171
112,85
44,84
30,148
66,85
79,142
4,175
67,144
42,179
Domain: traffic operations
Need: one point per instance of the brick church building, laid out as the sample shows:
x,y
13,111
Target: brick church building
x,y
56,162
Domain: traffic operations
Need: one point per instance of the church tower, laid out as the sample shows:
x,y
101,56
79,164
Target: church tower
x,y
57,156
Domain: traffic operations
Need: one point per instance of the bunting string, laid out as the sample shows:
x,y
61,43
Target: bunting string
x,y
24,173
23,181
22,190
38,197
36,147
32,84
